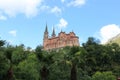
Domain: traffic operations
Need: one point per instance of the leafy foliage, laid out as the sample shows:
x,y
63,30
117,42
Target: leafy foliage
x,y
91,61
103,76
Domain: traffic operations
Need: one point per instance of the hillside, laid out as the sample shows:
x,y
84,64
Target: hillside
x,y
115,39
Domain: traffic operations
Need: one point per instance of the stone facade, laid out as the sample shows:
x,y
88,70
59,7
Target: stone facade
x,y
60,41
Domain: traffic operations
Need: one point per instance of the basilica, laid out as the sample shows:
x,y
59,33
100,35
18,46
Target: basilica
x,y
60,41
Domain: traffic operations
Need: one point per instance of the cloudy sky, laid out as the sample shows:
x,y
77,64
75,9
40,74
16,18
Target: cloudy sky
x,y
24,21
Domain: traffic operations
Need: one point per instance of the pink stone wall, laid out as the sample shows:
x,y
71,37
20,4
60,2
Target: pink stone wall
x,y
61,40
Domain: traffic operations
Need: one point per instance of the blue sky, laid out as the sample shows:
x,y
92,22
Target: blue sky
x,y
24,21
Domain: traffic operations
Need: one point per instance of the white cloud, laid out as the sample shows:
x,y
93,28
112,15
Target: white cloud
x,y
56,10
62,23
77,3
13,33
62,1
14,7
3,17
109,31
44,7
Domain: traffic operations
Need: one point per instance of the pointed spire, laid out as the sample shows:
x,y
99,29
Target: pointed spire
x,y
46,33
53,33
46,30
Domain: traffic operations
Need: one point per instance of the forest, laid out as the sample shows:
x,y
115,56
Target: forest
x,y
90,61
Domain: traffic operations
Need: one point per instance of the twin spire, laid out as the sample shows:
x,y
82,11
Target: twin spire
x,y
53,33
46,29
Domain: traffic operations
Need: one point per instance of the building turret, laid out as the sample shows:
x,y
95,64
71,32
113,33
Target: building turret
x,y
53,33
46,33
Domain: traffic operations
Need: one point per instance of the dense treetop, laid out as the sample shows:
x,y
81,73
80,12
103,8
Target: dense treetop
x,y
91,61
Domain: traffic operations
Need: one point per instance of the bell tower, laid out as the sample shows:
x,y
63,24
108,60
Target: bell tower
x,y
46,33
45,39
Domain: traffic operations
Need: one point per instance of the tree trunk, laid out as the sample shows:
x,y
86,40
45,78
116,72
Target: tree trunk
x,y
44,73
73,72
10,73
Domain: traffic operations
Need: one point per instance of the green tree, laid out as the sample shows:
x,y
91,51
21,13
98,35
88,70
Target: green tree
x,y
2,42
28,69
114,52
60,69
8,52
97,58
72,58
4,66
19,54
103,76
45,60
14,54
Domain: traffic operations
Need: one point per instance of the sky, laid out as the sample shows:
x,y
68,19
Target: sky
x,y
24,21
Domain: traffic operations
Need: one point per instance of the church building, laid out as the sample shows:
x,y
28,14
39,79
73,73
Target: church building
x,y
60,41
